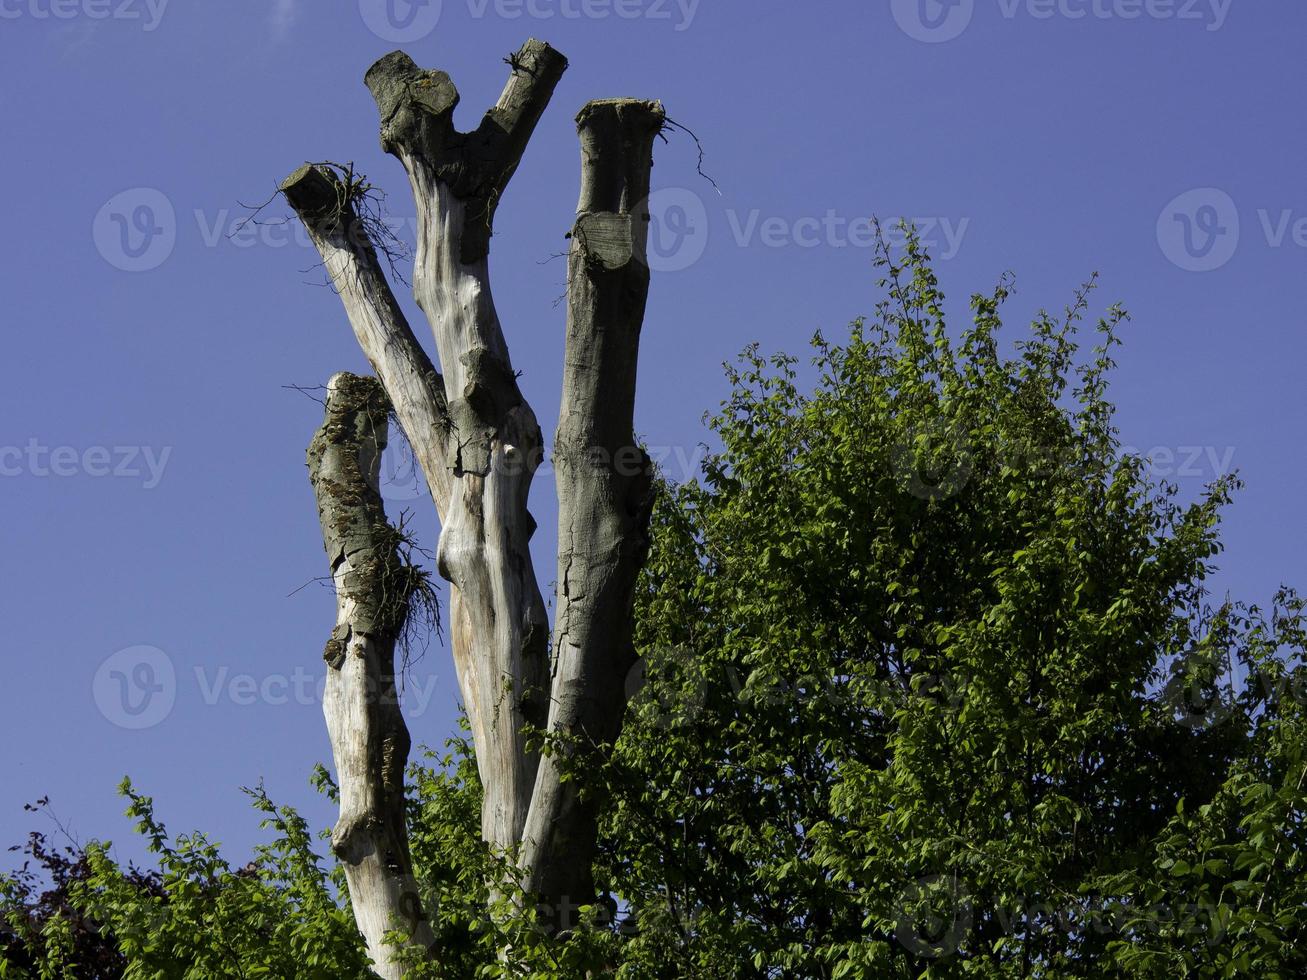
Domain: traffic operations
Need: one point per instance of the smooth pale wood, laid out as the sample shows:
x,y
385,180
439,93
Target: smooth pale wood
x,y
479,445
414,385
499,629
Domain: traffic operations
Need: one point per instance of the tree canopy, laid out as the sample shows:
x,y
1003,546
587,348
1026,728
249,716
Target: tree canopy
x,y
931,686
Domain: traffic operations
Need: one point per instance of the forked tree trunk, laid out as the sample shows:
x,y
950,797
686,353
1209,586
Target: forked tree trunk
x,y
479,444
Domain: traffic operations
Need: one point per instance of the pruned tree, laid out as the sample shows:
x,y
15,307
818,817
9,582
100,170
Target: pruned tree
x,y
478,444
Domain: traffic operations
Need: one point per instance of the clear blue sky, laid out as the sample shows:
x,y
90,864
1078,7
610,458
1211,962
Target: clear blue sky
x,y
1049,137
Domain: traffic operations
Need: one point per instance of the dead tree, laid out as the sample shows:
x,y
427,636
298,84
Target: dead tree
x,y
479,444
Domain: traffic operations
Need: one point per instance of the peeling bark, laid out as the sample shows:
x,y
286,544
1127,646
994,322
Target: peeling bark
x,y
369,740
479,443
324,204
604,488
498,625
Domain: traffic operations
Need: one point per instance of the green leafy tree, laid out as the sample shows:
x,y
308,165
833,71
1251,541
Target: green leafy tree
x,y
940,691
932,686
193,916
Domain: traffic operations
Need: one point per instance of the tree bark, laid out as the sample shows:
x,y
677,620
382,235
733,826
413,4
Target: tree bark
x,y
328,207
479,443
369,740
604,490
498,626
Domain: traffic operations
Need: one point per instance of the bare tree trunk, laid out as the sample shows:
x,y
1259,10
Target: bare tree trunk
x,y
498,626
479,443
604,489
369,740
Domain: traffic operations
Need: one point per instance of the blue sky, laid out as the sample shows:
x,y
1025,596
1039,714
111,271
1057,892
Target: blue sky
x,y
158,521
